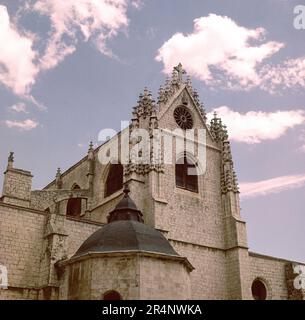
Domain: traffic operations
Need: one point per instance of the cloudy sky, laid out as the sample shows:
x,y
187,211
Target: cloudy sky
x,y
71,68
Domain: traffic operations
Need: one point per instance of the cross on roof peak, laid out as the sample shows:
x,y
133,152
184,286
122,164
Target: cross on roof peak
x,y
180,71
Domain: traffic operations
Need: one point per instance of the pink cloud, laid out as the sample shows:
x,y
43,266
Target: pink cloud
x,y
211,47
288,74
18,107
256,126
98,20
17,56
24,125
95,20
269,186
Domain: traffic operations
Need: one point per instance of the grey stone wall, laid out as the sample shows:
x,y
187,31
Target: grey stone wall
x,y
272,272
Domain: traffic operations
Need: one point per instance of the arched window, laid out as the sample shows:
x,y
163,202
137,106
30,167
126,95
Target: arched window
x,y
112,295
74,205
259,291
114,180
186,174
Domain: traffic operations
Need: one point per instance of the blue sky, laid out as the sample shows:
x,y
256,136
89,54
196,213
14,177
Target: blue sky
x,y
71,68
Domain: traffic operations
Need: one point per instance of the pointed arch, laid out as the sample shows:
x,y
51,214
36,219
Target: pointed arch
x,y
74,205
75,186
114,180
186,173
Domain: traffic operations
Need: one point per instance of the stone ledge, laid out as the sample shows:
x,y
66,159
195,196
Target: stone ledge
x,y
20,171
111,254
21,208
263,256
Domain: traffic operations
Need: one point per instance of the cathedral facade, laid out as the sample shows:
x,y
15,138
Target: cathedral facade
x,y
139,230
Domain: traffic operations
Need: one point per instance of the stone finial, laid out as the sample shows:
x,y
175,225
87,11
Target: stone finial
x,y
215,126
146,92
203,112
145,105
162,95
218,129
58,173
180,72
58,180
225,132
10,160
126,190
90,151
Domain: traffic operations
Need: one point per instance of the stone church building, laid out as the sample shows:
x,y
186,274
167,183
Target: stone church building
x,y
138,230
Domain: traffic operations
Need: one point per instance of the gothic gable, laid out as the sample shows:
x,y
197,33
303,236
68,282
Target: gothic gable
x,y
170,108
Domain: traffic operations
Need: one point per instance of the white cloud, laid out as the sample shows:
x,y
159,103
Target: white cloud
x,y
302,139
286,75
71,21
211,54
97,20
256,126
17,57
269,186
219,51
24,125
18,107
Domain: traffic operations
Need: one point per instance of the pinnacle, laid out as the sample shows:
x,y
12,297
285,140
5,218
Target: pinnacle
x,y
58,172
90,146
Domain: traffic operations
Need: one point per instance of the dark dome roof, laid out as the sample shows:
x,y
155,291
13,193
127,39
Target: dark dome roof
x,y
126,209
126,235
126,203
